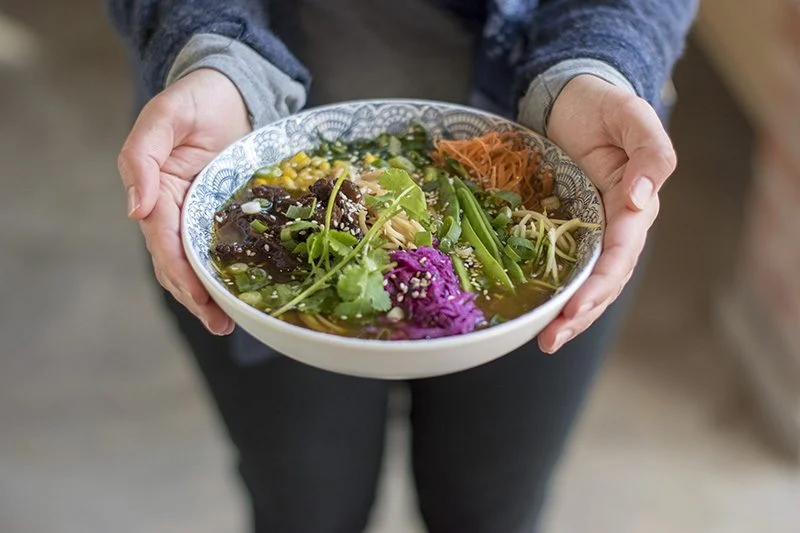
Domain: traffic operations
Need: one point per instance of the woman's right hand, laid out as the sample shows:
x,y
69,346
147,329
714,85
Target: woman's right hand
x,y
177,133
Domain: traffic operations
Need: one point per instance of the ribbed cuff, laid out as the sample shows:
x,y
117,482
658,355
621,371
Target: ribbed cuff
x,y
535,106
268,93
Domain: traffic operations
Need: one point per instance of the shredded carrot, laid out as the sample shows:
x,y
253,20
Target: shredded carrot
x,y
498,160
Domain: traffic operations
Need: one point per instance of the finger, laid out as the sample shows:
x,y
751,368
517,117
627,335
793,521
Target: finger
x,y
142,156
624,241
651,156
562,330
173,270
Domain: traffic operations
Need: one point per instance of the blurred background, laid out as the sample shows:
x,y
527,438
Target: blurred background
x,y
693,425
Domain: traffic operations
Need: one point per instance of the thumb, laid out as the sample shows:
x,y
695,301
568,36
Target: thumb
x,y
651,156
142,156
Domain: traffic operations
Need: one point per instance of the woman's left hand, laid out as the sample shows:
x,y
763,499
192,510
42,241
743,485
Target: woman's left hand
x,y
619,141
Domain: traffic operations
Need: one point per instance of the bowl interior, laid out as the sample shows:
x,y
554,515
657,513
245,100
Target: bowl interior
x,y
365,119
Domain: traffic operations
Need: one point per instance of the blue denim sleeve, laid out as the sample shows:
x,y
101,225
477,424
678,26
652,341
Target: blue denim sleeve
x,y
641,39
155,31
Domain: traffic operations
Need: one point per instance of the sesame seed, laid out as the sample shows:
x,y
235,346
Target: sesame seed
x,y
415,294
358,315
400,298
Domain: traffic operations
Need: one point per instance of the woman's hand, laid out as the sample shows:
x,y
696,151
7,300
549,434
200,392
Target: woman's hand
x,y
175,136
619,141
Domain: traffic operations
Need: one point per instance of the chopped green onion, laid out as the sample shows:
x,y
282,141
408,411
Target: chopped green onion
x,y
238,268
258,226
423,238
268,172
403,163
251,298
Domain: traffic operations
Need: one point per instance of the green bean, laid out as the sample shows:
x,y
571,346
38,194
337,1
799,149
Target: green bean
x,y
472,213
494,271
451,210
514,271
461,272
449,233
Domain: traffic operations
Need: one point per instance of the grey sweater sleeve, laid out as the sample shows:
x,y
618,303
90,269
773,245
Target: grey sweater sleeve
x,y
155,31
268,92
535,106
641,39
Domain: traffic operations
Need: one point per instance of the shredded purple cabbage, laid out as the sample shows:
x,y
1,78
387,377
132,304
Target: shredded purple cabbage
x,y
425,286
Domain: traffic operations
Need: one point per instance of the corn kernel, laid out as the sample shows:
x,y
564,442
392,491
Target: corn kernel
x,y
288,183
316,161
318,174
324,166
288,171
339,163
260,181
369,159
301,160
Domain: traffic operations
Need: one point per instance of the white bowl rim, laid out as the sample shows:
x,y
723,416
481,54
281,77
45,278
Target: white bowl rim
x,y
557,300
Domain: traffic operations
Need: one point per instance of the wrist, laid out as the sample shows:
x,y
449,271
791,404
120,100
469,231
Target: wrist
x,y
535,107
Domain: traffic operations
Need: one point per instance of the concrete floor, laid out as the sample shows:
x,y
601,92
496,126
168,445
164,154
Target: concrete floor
x,y
104,425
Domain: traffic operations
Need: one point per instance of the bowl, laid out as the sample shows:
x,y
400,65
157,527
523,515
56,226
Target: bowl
x,y
364,119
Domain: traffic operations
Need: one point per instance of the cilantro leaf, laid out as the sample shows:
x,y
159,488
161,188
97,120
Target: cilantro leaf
x,y
376,260
373,201
361,291
396,181
278,294
321,302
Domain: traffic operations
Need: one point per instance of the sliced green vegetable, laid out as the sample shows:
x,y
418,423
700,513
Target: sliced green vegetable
x,y
522,247
253,298
510,197
293,228
423,238
430,174
491,266
514,271
461,272
252,280
402,163
472,213
302,211
268,172
394,146
238,268
258,226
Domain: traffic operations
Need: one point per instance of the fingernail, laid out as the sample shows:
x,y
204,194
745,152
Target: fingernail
x,y
133,200
642,192
562,339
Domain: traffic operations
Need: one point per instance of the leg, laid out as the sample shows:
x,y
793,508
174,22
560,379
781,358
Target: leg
x,y
309,442
486,441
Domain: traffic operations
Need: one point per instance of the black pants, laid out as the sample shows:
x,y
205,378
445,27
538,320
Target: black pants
x,y
485,441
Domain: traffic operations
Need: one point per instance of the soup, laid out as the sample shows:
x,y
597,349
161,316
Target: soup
x,y
398,237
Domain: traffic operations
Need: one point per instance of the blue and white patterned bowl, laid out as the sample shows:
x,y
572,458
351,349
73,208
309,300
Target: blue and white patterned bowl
x,y
365,119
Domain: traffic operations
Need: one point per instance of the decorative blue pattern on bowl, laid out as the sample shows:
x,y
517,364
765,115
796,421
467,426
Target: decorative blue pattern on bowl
x,y
367,119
